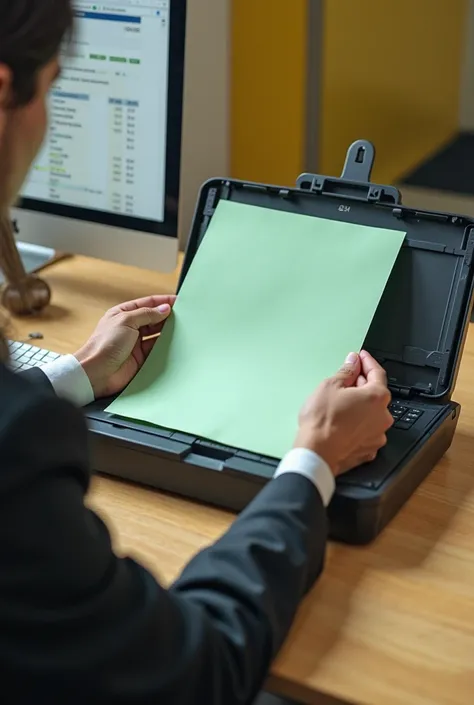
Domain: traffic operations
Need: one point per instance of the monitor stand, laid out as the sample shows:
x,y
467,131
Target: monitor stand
x,y
34,258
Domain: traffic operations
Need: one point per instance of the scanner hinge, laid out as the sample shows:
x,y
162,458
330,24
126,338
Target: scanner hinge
x,y
354,190
400,392
354,183
411,392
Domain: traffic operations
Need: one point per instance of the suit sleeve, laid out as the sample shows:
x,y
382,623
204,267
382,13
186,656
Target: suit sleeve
x,y
37,376
90,627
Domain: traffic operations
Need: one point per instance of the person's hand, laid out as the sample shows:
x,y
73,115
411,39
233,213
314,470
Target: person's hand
x,y
346,420
121,343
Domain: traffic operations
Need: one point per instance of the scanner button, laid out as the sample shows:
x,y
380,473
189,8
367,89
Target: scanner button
x,y
412,416
404,425
398,411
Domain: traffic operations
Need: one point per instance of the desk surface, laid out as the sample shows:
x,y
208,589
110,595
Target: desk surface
x,y
391,624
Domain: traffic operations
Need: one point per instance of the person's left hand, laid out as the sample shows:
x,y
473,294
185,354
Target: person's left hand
x,y
121,343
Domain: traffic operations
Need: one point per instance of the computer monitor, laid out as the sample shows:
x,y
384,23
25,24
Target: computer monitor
x,y
106,183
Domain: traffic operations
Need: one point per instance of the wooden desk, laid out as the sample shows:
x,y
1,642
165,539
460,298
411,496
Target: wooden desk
x,y
392,624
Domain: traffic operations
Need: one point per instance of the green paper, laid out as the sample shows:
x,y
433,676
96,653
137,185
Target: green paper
x,y
271,306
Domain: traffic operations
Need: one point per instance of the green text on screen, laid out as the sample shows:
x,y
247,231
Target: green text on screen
x,y
272,304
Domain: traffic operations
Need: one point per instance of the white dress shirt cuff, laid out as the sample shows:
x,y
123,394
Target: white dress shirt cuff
x,y
304,462
69,380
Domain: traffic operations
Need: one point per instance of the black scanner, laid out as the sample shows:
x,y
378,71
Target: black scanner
x,y
417,334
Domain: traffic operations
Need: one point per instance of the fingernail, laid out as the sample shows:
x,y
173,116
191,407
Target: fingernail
x,y
164,308
352,358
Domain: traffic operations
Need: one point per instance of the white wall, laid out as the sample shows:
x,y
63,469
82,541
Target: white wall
x,y
207,95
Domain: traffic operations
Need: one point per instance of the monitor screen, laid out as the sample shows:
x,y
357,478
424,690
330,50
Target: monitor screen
x,y
112,154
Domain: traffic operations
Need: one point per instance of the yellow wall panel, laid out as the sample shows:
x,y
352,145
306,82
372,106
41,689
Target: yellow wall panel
x,y
268,104
392,74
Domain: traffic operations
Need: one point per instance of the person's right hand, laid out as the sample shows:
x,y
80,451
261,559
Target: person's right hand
x,y
346,420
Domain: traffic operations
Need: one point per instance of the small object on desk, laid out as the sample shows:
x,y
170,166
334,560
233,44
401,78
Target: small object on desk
x,y
24,294
35,336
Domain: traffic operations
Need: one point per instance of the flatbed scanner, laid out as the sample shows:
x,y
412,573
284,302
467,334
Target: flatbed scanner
x,y
417,334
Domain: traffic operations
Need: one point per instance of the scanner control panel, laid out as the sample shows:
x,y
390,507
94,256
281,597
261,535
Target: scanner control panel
x,y
404,416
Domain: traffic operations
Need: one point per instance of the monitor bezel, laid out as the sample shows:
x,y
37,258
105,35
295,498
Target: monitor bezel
x,y
169,226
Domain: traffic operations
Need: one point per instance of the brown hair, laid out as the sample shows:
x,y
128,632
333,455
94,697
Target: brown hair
x,y
31,34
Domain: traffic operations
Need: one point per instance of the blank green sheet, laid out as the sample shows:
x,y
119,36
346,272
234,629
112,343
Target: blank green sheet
x,y
271,305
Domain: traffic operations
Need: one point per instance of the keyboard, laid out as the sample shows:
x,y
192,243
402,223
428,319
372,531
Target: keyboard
x,y
24,356
404,416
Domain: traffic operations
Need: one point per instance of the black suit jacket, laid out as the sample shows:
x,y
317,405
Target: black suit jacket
x,y
79,625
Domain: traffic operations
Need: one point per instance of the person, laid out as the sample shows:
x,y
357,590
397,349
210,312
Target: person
x,y
77,623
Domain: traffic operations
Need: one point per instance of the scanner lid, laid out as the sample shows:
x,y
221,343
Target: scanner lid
x,y
419,329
